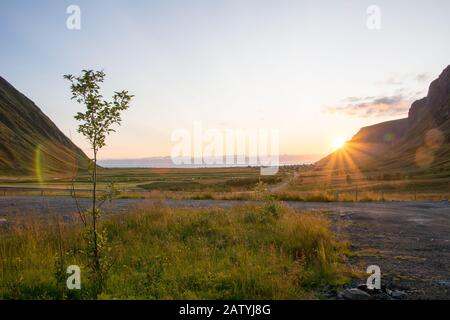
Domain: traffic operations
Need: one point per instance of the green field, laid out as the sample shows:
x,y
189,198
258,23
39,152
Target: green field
x,y
214,179
371,185
296,183
246,252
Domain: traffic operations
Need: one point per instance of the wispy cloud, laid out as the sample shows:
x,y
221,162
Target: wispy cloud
x,y
395,79
372,106
422,77
356,99
396,103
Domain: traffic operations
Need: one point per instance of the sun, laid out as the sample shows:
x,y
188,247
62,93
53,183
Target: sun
x,y
338,142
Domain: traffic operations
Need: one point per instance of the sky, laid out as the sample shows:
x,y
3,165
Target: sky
x,y
314,70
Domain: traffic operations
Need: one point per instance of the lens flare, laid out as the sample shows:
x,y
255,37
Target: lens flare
x,y
424,157
434,139
38,163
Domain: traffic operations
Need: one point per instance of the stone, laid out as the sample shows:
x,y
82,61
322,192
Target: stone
x,y
445,283
362,287
381,296
354,294
397,294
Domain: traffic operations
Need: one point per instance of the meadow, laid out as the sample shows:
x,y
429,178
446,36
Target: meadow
x,y
292,183
245,252
372,185
165,179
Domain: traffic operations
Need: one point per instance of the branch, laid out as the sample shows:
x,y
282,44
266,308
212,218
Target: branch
x,y
80,212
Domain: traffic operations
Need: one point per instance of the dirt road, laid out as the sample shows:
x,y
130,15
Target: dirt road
x,y
409,241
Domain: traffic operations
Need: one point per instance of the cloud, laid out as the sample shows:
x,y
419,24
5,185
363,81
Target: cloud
x,y
395,104
394,79
356,99
373,106
422,77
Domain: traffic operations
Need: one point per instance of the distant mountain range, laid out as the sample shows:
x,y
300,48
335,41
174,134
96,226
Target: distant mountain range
x,y
166,162
419,142
30,142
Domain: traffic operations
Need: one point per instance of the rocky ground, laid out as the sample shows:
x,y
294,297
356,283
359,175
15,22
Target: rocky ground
x,y
410,242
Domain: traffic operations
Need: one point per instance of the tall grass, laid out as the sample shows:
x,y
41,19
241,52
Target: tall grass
x,y
245,252
284,195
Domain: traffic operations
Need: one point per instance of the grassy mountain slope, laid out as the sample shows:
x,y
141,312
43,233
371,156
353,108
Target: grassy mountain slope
x,y
30,143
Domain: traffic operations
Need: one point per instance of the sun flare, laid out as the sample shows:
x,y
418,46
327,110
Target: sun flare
x,y
338,143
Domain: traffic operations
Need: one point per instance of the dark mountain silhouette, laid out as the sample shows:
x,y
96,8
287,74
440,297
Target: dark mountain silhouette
x,y
419,142
30,143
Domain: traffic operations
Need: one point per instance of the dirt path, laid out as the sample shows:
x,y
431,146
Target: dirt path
x,y
283,184
409,241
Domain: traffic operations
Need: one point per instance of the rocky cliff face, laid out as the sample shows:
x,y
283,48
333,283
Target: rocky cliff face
x,y
435,106
416,111
438,98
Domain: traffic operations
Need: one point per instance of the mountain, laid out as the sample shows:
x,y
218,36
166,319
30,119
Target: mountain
x,y
419,142
30,143
167,162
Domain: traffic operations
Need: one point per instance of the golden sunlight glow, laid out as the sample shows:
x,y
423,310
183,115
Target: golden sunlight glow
x,y
338,143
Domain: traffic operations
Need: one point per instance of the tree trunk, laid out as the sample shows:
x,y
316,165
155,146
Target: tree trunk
x,y
94,212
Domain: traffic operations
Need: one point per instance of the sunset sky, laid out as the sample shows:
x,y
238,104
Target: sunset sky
x,y
314,71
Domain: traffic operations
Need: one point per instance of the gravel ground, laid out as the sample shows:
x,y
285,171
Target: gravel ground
x,y
409,241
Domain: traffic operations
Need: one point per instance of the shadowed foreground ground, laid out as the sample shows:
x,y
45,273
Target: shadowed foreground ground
x,y
409,241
